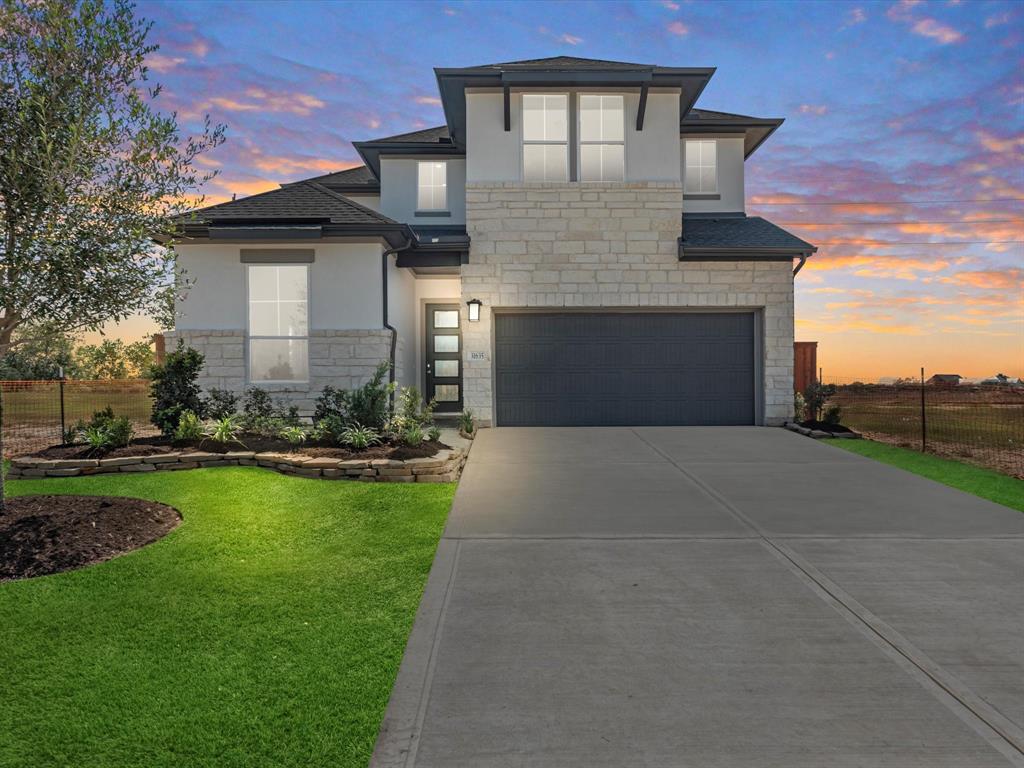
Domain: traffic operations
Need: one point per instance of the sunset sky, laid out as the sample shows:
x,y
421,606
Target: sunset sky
x,y
902,155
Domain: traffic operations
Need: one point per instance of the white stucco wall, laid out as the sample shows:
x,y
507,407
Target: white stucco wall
x,y
402,316
399,188
494,155
370,201
344,279
730,175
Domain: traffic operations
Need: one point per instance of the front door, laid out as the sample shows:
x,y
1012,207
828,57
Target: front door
x,y
443,355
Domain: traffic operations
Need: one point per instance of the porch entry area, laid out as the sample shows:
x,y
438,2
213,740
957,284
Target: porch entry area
x,y
443,357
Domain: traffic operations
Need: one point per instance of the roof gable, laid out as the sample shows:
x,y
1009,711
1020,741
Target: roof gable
x,y
306,201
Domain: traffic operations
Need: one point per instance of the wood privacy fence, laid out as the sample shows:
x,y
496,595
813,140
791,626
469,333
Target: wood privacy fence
x,y
980,424
35,413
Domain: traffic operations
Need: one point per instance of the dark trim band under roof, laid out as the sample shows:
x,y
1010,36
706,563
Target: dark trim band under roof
x,y
562,70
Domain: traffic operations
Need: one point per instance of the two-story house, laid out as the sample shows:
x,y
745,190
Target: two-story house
x,y
570,248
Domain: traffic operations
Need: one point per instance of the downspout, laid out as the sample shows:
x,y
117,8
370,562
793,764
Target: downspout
x,y
803,260
384,310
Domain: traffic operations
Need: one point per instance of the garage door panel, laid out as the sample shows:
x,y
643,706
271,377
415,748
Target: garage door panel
x,y
615,369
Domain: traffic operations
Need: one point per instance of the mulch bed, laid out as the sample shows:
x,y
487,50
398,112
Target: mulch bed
x,y
40,535
824,426
151,446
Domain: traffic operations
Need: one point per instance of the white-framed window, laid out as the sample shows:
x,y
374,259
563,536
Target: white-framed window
x,y
701,167
545,137
278,322
432,189
602,137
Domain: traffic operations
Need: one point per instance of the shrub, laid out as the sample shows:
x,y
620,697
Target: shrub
x,y
174,389
413,435
799,407
816,395
221,403
466,422
189,427
434,433
73,433
368,405
294,435
106,431
96,438
833,414
329,428
120,432
358,437
257,404
330,403
224,430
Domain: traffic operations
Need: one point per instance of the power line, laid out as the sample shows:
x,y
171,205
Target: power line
x,y
904,202
918,242
892,223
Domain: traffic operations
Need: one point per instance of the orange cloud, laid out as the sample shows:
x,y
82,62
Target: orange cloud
x,y
995,144
999,279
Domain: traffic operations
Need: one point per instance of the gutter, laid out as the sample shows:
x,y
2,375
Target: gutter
x,y
384,310
803,260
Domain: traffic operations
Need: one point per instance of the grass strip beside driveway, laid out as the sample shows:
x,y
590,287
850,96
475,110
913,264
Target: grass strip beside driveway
x,y
985,483
267,629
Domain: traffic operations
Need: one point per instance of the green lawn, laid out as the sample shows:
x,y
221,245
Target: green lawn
x,y
985,483
266,630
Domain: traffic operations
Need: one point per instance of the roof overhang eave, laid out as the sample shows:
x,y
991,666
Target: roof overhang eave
x,y
751,253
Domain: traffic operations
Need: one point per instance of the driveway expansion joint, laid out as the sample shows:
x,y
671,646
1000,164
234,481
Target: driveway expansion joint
x,y
988,722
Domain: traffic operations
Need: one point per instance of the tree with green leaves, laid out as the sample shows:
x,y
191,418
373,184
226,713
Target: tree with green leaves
x,y
113,359
90,169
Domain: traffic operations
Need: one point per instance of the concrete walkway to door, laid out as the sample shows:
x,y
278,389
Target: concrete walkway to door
x,y
710,597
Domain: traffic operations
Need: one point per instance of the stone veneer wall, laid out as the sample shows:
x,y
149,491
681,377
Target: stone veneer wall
x,y
607,245
344,358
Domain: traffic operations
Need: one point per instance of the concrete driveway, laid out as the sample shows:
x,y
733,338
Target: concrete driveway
x,y
711,597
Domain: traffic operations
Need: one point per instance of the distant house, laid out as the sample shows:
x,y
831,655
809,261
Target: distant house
x,y
1000,380
945,379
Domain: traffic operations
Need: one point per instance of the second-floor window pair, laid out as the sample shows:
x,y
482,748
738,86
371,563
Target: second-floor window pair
x,y
600,143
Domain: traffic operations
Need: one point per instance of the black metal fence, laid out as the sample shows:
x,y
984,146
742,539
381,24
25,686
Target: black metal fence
x,y
35,413
979,424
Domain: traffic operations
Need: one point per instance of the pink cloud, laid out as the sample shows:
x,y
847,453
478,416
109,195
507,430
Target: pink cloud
x,y
813,109
937,31
160,63
670,5
570,39
678,28
995,21
431,100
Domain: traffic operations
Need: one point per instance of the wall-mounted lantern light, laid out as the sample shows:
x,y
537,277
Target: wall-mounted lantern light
x,y
474,310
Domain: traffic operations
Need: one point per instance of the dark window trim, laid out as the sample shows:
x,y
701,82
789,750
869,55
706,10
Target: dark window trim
x,y
277,255
439,214
695,196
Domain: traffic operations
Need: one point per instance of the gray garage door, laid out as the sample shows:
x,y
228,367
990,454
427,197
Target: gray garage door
x,y
617,368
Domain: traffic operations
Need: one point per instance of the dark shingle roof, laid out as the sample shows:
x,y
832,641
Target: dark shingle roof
x,y
350,177
303,201
424,136
719,117
569,62
731,233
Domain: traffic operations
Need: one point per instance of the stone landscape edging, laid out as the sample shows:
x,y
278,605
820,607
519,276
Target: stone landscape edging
x,y
820,434
444,467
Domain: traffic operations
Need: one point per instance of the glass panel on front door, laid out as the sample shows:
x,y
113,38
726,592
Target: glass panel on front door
x,y
442,347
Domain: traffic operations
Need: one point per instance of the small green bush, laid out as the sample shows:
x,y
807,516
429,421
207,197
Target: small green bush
x,y
331,403
466,422
174,389
329,428
833,414
434,433
120,432
368,405
413,435
294,435
190,428
799,407
257,404
221,403
224,430
816,395
359,438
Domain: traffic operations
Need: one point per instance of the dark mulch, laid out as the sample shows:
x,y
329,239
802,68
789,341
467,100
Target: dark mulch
x,y
49,534
149,446
825,426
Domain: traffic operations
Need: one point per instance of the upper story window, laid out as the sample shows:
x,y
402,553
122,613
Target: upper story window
x,y
432,190
545,137
701,167
278,322
602,137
